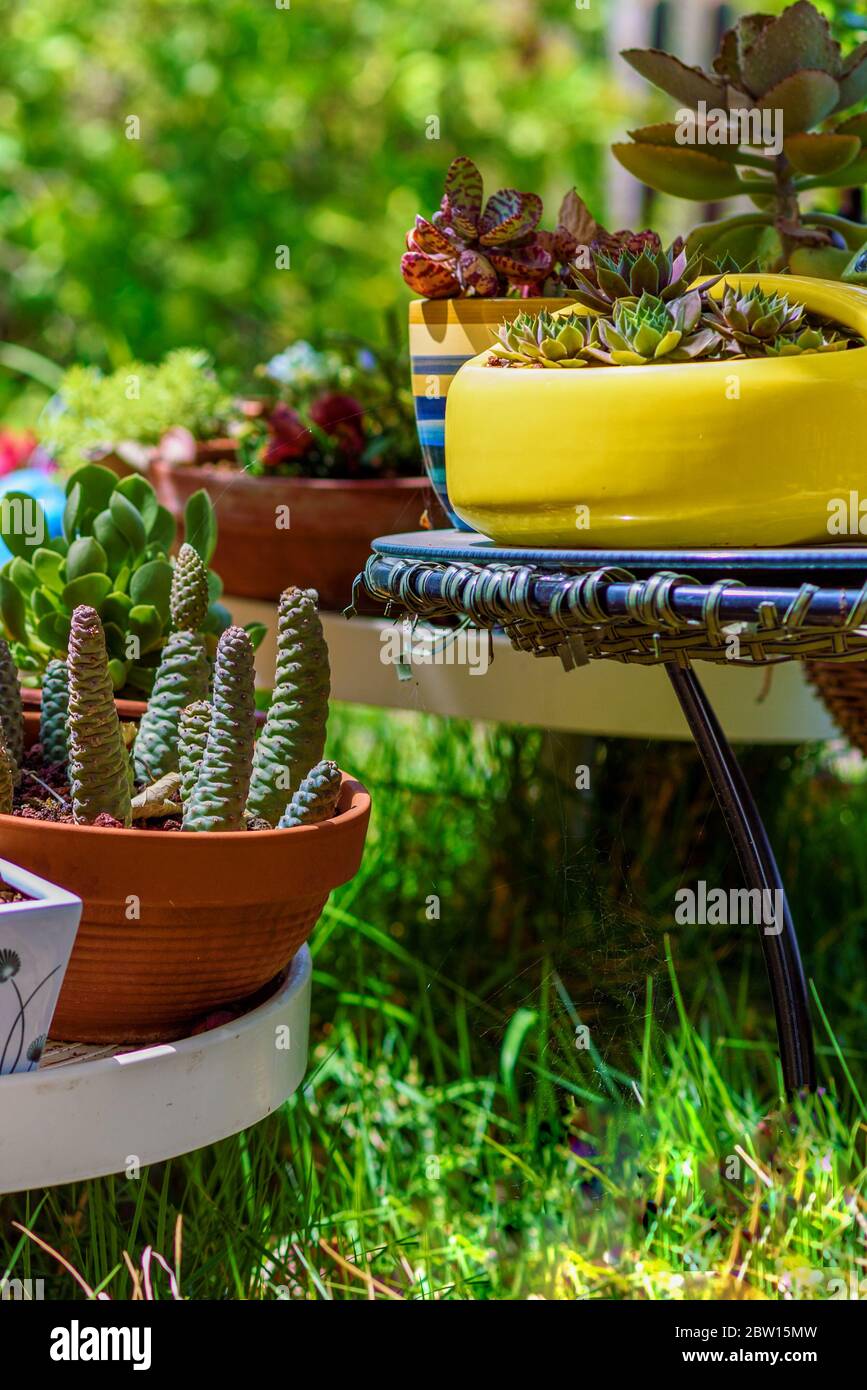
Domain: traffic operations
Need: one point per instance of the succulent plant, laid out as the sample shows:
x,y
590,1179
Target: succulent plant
x,y
113,556
294,735
54,713
809,340
183,675
542,340
99,772
316,798
473,247
11,711
790,64
218,798
192,740
649,330
616,272
752,320
7,779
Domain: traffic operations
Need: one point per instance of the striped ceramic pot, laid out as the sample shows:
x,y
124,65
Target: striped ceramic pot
x,y
443,335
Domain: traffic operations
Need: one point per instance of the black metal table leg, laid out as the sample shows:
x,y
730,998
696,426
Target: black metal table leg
x,y
759,867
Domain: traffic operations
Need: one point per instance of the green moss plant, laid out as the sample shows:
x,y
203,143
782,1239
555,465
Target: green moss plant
x,y
293,739
183,673
98,762
218,799
316,798
54,713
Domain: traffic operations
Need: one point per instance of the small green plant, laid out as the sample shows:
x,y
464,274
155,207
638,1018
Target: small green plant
x,y
11,713
219,796
193,728
720,147
649,330
316,798
99,771
545,341
54,713
294,735
183,674
113,555
95,415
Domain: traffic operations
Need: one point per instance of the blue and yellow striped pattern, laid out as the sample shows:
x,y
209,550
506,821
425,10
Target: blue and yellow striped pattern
x,y
443,335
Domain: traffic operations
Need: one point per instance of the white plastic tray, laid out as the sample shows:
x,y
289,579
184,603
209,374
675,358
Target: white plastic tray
x,y
89,1111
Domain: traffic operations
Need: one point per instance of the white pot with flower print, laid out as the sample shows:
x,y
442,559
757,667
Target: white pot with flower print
x,y
38,923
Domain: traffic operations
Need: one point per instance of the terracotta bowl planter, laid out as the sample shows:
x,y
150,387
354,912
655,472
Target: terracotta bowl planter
x,y
219,915
331,522
31,698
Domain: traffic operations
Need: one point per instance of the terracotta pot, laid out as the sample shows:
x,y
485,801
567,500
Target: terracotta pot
x,y
31,698
331,522
220,915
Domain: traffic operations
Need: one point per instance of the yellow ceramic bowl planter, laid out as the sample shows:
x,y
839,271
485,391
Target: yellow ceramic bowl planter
x,y
746,452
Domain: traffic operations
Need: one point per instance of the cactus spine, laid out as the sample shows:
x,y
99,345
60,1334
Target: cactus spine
x,y
7,779
98,761
183,673
316,798
54,713
11,712
293,739
192,739
217,801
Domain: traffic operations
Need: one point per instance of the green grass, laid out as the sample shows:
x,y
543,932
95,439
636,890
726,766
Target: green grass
x,y
453,1137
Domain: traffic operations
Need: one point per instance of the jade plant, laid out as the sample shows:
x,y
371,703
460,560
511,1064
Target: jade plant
x,y
471,247
113,555
767,122
218,780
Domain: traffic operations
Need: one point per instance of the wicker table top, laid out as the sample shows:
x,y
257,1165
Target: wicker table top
x,y
744,607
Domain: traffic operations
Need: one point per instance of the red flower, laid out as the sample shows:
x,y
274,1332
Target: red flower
x,y
16,446
342,417
290,437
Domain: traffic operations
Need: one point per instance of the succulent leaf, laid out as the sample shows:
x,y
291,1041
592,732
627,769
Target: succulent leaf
x,y
188,603
316,798
54,712
217,800
684,171
98,762
294,735
686,84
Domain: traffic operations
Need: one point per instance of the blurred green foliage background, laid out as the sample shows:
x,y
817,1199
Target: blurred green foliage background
x,y
260,127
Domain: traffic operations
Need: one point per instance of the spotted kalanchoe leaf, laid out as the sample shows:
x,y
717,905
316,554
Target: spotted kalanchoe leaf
x,y
543,340
54,712
218,798
11,710
192,739
649,330
316,798
293,739
98,762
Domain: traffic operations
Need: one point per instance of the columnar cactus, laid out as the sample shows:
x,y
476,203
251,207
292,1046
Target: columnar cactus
x,y
98,761
189,600
7,779
316,798
11,712
293,739
217,801
183,673
192,740
54,713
